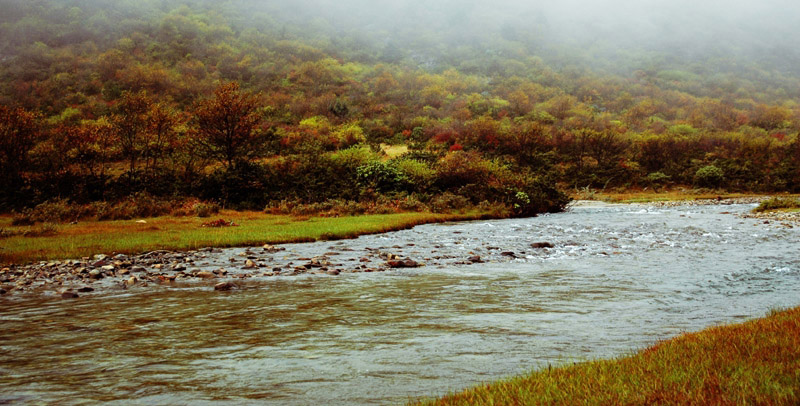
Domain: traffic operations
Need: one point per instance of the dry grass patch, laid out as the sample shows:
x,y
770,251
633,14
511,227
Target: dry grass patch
x,y
754,363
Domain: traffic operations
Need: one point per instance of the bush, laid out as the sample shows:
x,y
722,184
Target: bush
x,y
447,202
194,207
657,179
777,203
381,177
54,211
709,176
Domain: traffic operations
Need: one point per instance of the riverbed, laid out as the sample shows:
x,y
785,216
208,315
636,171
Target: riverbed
x,y
618,278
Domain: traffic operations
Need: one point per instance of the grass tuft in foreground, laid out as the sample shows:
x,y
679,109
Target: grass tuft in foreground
x,y
754,363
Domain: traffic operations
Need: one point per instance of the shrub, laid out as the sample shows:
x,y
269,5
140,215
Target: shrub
x,y
419,174
381,177
411,203
448,201
194,207
657,179
54,211
219,223
709,176
777,203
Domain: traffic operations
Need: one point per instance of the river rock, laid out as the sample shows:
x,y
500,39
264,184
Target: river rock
x,y
3,291
96,274
69,295
249,264
271,248
205,275
100,263
508,254
86,289
224,286
475,259
542,245
406,263
334,272
131,281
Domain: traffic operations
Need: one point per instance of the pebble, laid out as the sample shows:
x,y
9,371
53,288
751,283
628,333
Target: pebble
x,y
69,295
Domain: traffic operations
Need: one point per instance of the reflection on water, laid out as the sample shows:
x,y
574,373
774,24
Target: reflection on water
x,y
619,279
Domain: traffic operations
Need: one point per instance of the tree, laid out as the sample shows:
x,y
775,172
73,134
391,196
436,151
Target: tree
x,y
228,124
19,130
130,123
162,134
90,145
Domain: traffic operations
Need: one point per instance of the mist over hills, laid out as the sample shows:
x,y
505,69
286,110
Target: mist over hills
x,y
579,93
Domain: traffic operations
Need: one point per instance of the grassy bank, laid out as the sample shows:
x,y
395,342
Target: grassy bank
x,y
754,363
182,233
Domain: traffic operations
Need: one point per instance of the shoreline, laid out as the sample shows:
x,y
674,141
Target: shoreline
x,y
170,266
102,272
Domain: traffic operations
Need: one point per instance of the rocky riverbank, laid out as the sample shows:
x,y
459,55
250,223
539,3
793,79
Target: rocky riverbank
x,y
72,278
788,218
708,202
226,269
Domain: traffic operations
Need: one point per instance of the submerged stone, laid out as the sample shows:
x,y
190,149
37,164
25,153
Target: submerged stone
x,y
224,286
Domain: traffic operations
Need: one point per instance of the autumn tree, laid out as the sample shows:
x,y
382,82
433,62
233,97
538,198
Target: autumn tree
x,y
19,129
161,137
228,124
130,124
91,146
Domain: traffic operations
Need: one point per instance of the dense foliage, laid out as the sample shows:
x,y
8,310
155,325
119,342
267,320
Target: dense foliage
x,y
103,99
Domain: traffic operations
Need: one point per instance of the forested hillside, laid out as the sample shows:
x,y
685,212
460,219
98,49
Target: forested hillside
x,y
253,103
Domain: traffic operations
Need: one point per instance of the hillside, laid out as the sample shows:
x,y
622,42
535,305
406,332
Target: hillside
x,y
254,103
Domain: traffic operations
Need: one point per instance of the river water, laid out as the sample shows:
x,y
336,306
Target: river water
x,y
619,279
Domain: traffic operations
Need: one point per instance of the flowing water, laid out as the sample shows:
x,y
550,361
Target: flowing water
x,y
619,279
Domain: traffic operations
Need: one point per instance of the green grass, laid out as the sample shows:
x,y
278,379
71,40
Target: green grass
x,y
754,363
182,233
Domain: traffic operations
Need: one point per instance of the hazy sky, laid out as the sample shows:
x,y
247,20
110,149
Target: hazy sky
x,y
648,23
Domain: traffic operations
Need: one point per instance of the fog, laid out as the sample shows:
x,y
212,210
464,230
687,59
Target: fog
x,y
684,29
608,34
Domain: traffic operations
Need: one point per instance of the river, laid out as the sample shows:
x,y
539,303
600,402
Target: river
x,y
619,279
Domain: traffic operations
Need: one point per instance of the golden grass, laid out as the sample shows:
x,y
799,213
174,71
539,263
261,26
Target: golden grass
x,y
182,233
754,363
393,151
